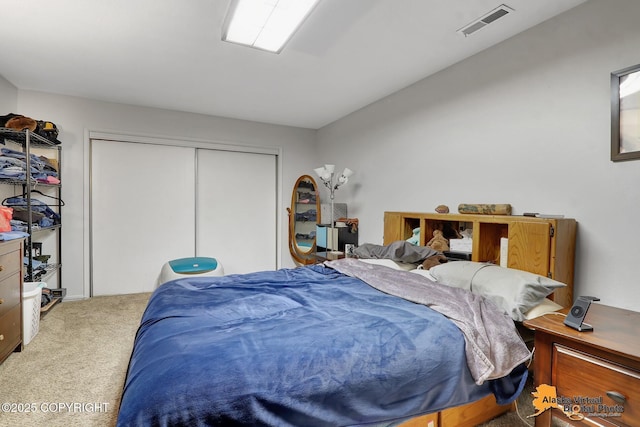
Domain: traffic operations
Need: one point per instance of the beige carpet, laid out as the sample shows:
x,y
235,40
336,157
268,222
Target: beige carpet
x,y
72,372
78,358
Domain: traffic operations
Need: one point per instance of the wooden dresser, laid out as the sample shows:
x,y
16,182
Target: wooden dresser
x,y
601,369
10,297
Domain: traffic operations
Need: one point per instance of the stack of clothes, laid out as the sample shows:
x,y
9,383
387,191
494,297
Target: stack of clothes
x,y
13,166
309,215
41,214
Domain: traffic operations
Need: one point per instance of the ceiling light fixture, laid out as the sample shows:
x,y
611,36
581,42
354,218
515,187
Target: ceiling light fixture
x,y
265,24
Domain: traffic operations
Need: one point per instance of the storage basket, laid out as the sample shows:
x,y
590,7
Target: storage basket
x,y
31,299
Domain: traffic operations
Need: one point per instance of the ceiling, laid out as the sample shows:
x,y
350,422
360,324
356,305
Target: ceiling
x,y
168,53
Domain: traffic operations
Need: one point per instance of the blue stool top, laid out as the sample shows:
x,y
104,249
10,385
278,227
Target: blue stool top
x,y
193,265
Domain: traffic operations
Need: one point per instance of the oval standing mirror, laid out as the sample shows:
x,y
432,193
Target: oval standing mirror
x,y
303,218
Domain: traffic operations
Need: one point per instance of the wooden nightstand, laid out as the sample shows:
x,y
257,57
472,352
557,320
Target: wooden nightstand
x,y
602,366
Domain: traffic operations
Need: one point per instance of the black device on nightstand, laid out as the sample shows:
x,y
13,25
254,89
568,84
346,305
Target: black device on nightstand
x,y
576,315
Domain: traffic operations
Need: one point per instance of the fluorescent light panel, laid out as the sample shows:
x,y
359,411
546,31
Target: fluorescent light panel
x,y
265,24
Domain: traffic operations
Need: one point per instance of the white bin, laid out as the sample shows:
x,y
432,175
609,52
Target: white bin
x,y
190,267
31,298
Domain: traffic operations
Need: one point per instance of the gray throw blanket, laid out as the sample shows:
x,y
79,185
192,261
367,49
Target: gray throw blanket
x,y
400,251
493,346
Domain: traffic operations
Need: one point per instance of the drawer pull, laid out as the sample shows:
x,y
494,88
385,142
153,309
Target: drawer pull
x,y
1,337
1,267
618,397
1,300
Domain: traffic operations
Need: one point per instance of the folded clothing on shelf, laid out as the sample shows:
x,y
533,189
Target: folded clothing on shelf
x,y
41,213
13,166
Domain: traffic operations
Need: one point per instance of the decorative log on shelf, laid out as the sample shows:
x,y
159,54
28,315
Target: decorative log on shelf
x,y
484,209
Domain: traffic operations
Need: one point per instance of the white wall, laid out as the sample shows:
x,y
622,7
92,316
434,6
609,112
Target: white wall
x,y
8,97
75,115
526,122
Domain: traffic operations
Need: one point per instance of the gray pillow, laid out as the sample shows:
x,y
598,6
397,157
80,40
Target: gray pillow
x,y
514,291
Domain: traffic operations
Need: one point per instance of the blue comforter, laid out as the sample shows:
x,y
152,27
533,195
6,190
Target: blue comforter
x,y
294,347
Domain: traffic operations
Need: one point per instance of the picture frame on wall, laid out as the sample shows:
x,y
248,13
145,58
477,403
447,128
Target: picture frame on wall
x,y
625,114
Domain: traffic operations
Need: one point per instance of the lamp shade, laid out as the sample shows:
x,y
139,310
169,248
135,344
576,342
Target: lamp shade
x,y
326,173
347,172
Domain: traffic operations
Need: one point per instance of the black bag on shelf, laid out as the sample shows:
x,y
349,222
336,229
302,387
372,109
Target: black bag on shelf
x,y
47,130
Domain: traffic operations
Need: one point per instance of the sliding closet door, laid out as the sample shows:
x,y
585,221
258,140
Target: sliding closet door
x,y
142,213
236,209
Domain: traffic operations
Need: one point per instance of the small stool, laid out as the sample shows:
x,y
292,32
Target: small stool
x,y
192,266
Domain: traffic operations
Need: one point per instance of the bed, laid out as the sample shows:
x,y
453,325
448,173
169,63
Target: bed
x,y
340,344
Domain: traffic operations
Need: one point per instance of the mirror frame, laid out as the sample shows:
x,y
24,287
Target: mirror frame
x,y
299,256
621,127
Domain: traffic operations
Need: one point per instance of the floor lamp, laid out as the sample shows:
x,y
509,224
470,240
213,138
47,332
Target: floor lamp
x,y
329,179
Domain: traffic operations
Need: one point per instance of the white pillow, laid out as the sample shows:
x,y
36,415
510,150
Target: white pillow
x,y
382,261
546,306
514,291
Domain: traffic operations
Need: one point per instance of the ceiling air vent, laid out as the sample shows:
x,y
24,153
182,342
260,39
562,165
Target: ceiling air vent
x,y
485,20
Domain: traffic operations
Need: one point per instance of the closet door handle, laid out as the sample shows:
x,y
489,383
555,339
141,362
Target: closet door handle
x,y
618,397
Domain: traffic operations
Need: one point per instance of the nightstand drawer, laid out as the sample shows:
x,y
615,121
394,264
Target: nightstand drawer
x,y
10,262
9,293
576,374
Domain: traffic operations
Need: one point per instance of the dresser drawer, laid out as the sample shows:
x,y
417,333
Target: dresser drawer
x,y
9,331
9,293
579,375
10,259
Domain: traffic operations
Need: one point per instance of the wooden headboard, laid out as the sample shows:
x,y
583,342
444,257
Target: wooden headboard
x,y
544,246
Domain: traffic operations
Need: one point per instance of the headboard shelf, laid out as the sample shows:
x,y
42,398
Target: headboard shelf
x,y
544,246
